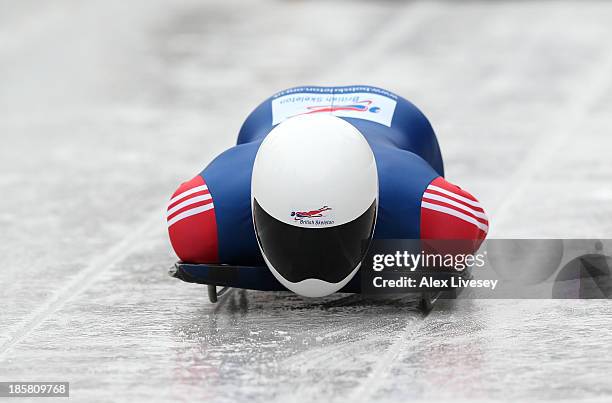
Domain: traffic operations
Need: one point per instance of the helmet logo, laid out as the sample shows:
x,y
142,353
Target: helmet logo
x,y
310,214
310,217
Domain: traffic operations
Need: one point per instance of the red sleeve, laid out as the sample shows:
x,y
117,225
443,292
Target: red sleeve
x,y
192,225
449,212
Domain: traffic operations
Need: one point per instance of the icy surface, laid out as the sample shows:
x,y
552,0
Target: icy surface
x,y
106,106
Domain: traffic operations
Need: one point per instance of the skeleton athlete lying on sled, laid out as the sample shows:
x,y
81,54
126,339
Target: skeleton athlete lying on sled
x,y
315,172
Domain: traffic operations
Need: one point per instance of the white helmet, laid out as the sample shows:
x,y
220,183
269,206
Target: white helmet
x,y
314,197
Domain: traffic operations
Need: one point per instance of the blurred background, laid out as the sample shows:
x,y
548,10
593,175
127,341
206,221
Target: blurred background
x,y
106,106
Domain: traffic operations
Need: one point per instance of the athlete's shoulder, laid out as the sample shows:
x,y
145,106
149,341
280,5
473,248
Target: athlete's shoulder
x,y
403,176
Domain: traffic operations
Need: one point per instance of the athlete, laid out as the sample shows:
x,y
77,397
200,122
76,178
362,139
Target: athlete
x,y
315,173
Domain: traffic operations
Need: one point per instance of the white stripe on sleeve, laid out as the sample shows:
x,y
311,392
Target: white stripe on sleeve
x,y
455,213
189,213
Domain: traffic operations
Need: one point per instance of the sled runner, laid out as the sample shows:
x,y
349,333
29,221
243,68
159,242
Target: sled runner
x,y
260,278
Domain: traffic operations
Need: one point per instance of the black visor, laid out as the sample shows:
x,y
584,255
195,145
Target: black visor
x,y
328,253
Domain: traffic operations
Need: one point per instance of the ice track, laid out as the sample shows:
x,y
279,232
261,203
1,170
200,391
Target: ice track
x,y
107,106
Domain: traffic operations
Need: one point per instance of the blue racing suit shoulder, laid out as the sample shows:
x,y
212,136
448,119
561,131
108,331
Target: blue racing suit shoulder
x,y
229,181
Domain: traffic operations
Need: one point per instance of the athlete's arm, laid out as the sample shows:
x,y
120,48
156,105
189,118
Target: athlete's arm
x,y
449,212
192,225
203,232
